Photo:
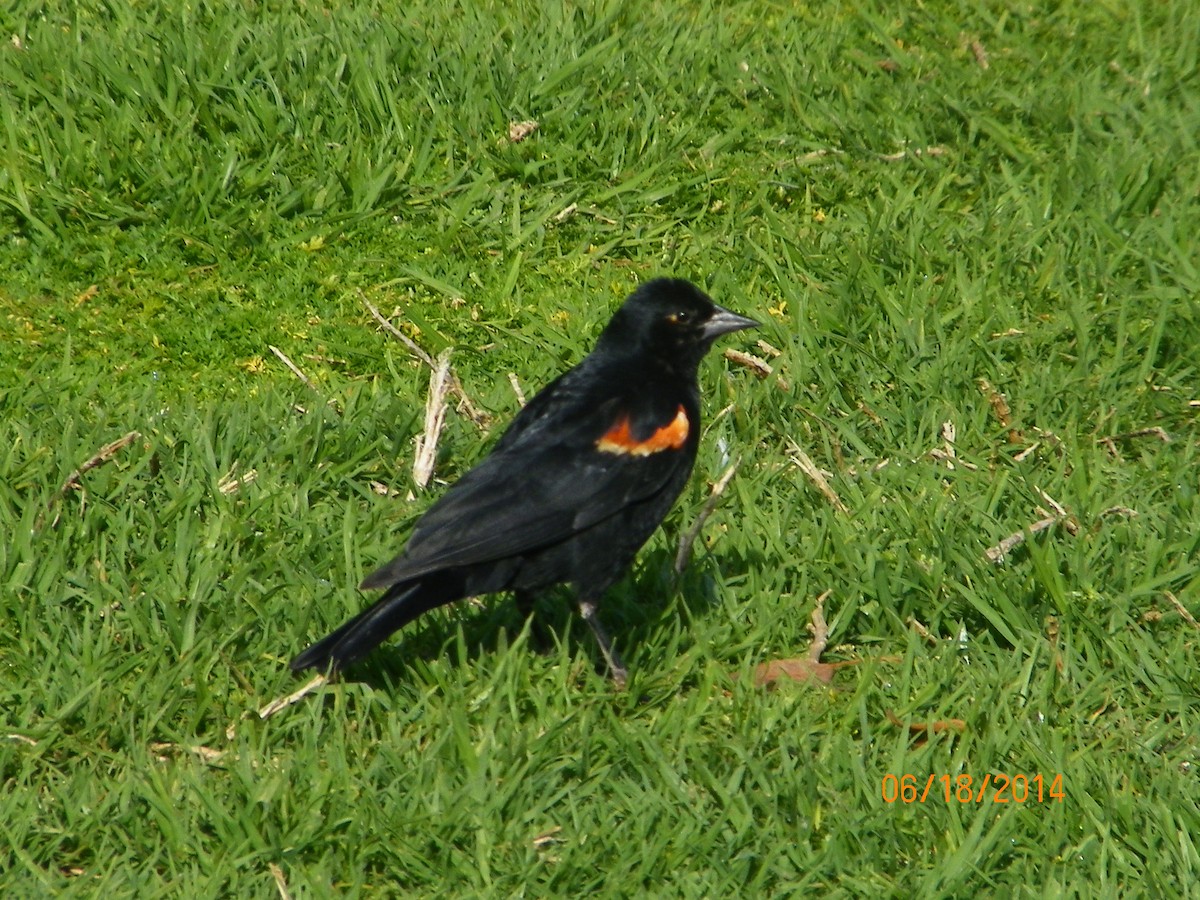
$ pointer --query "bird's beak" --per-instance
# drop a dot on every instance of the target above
(723, 321)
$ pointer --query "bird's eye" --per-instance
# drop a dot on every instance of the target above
(679, 318)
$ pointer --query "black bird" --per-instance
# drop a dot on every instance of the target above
(579, 481)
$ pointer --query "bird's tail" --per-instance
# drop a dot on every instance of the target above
(352, 641)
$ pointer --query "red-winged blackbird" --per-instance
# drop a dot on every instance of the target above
(579, 481)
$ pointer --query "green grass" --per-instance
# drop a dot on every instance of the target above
(182, 188)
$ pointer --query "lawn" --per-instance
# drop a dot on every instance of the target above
(970, 232)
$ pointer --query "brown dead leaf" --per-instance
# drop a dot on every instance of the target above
(800, 670)
(809, 668)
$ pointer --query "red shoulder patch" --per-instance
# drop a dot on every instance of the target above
(620, 439)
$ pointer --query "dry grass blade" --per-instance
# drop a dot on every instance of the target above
(915, 152)
(1027, 452)
(816, 476)
(920, 629)
(101, 456)
(759, 367)
(1181, 609)
(87, 294)
(472, 412)
(1062, 516)
(1051, 502)
(946, 453)
(1052, 632)
(208, 754)
(771, 351)
(414, 348)
(925, 728)
(820, 628)
(996, 553)
(980, 53)
(685, 543)
(231, 482)
(294, 368)
(291, 699)
(435, 418)
(1153, 431)
(813, 156)
(280, 881)
(1000, 407)
(547, 837)
(1000, 410)
(869, 413)
(516, 386)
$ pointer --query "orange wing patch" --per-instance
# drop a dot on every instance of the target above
(620, 439)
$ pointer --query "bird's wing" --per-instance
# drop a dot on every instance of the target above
(561, 473)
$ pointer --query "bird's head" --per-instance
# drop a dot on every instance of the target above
(673, 320)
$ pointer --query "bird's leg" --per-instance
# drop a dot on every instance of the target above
(539, 637)
(587, 609)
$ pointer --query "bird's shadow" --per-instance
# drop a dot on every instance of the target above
(632, 611)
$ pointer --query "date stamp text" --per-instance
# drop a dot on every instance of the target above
(993, 787)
